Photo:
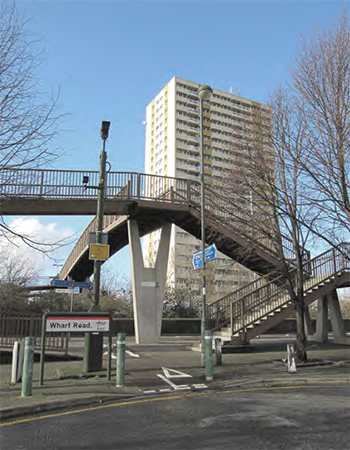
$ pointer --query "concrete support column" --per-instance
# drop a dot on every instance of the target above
(322, 320)
(148, 285)
(337, 319)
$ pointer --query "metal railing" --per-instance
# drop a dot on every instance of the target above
(263, 296)
(18, 327)
(238, 219)
(54, 184)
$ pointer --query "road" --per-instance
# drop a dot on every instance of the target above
(303, 418)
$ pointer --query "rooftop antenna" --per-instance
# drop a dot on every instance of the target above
(239, 92)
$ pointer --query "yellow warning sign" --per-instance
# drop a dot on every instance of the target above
(99, 252)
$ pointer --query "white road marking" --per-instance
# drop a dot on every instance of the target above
(200, 386)
(177, 373)
(173, 385)
(150, 392)
(166, 380)
(130, 353)
(112, 355)
(262, 419)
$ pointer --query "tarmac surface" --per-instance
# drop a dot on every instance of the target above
(278, 418)
(168, 367)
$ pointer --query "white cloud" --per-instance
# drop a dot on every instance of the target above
(49, 234)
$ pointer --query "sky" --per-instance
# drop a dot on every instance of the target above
(108, 59)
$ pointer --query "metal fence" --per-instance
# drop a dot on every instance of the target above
(58, 184)
(16, 328)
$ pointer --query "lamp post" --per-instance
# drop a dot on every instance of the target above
(99, 214)
(205, 92)
(94, 342)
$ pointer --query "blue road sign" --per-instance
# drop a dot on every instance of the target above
(61, 283)
(69, 283)
(83, 284)
(210, 254)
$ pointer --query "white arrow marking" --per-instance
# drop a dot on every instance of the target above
(112, 355)
(177, 373)
(130, 353)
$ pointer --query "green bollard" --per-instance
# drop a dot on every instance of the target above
(209, 356)
(27, 377)
(120, 374)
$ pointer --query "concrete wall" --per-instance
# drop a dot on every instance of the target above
(192, 326)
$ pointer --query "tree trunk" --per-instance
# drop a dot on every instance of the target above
(301, 355)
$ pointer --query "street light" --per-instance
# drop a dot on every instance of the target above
(205, 92)
(105, 129)
(94, 342)
(99, 213)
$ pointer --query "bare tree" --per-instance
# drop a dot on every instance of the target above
(294, 211)
(181, 296)
(264, 194)
(17, 269)
(321, 81)
(116, 294)
(301, 189)
(28, 121)
(16, 272)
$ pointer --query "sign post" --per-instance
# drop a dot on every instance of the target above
(42, 353)
(62, 322)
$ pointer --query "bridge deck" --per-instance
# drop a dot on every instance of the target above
(151, 200)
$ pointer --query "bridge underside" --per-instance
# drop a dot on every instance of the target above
(149, 219)
(19, 206)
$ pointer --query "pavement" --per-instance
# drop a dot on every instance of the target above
(168, 367)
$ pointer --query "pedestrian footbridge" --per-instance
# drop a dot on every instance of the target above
(137, 204)
(150, 200)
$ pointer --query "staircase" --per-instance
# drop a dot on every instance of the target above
(257, 307)
(232, 229)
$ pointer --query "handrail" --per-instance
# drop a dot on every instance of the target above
(53, 184)
(241, 310)
(241, 219)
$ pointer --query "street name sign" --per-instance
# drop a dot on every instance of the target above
(210, 254)
(82, 322)
(70, 323)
